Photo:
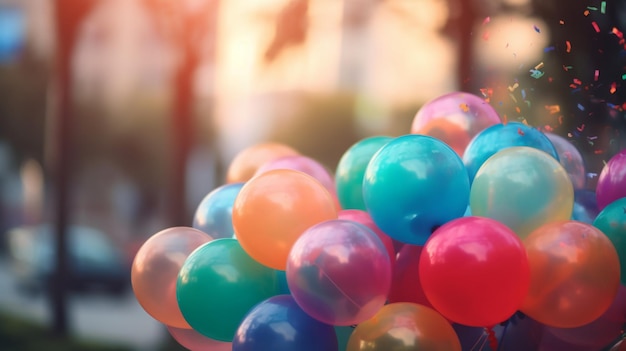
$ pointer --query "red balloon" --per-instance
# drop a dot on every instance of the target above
(405, 284)
(475, 271)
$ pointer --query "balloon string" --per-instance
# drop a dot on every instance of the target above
(478, 341)
(493, 340)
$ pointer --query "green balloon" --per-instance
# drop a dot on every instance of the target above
(343, 335)
(612, 222)
(218, 284)
(351, 169)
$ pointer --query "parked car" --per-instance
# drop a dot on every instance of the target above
(94, 263)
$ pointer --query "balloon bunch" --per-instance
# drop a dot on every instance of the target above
(463, 234)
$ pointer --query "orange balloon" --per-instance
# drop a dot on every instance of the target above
(245, 164)
(404, 326)
(155, 270)
(273, 209)
(574, 272)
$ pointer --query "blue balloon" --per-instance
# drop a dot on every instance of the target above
(413, 185)
(214, 214)
(585, 206)
(501, 136)
(279, 324)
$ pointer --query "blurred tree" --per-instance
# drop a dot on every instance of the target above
(191, 27)
(69, 15)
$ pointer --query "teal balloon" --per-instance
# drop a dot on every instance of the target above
(214, 214)
(281, 281)
(523, 188)
(218, 285)
(343, 335)
(413, 185)
(501, 136)
(351, 169)
(612, 222)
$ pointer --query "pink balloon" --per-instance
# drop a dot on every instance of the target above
(155, 270)
(454, 118)
(365, 219)
(303, 164)
(194, 341)
(612, 181)
(405, 284)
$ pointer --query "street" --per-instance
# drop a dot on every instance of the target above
(118, 320)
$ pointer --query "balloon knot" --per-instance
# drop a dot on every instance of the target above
(493, 340)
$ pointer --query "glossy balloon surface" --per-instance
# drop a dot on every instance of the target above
(214, 214)
(475, 271)
(414, 184)
(279, 324)
(247, 161)
(612, 180)
(155, 270)
(274, 209)
(502, 136)
(575, 274)
(454, 118)
(523, 188)
(339, 272)
(351, 170)
(218, 284)
(404, 327)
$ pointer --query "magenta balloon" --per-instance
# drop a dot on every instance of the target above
(570, 159)
(194, 341)
(303, 164)
(155, 271)
(454, 118)
(612, 181)
(339, 272)
(364, 218)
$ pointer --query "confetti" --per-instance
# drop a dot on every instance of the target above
(596, 75)
(539, 65)
(577, 81)
(624, 76)
(464, 107)
(568, 46)
(537, 29)
(520, 131)
(582, 127)
(513, 87)
(613, 88)
(486, 20)
(586, 13)
(536, 73)
(548, 49)
(582, 108)
(553, 109)
(592, 8)
(603, 7)
(561, 22)
(595, 26)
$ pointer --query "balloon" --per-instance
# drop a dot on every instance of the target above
(247, 162)
(600, 332)
(404, 326)
(474, 271)
(155, 270)
(454, 118)
(279, 324)
(365, 219)
(194, 341)
(414, 184)
(612, 222)
(214, 213)
(570, 159)
(339, 272)
(523, 188)
(574, 274)
(302, 164)
(274, 208)
(612, 181)
(218, 284)
(283, 286)
(405, 285)
(351, 170)
(502, 136)
(585, 206)
(343, 335)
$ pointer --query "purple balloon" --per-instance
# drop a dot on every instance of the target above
(194, 341)
(339, 272)
(570, 159)
(612, 181)
(364, 218)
